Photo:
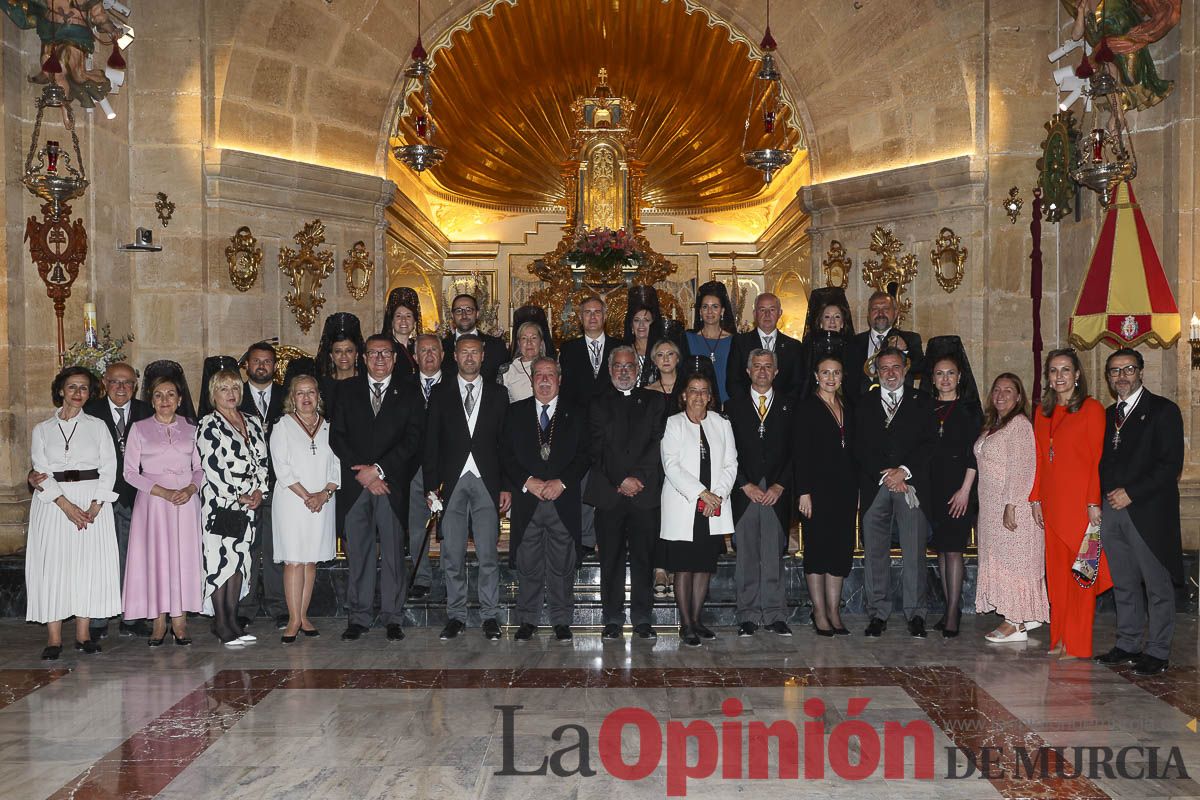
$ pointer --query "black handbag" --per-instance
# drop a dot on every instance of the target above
(230, 523)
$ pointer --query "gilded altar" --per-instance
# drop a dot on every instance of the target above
(602, 180)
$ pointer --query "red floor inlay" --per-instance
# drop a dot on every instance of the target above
(17, 683)
(150, 759)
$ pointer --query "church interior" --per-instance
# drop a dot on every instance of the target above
(207, 174)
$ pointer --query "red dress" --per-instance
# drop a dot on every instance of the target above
(1066, 485)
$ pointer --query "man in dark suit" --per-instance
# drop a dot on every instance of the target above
(119, 409)
(428, 353)
(1139, 476)
(766, 336)
(376, 433)
(894, 437)
(462, 468)
(263, 399)
(464, 312)
(625, 487)
(545, 458)
(864, 347)
(761, 418)
(584, 378)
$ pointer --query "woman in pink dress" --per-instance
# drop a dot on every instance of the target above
(1012, 558)
(163, 569)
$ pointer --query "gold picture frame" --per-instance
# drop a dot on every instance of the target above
(358, 268)
(837, 266)
(949, 259)
(890, 268)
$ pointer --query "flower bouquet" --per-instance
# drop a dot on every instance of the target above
(97, 357)
(604, 248)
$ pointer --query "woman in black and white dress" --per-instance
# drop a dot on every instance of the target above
(71, 561)
(233, 449)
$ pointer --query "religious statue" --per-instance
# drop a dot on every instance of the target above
(69, 31)
(1125, 28)
(602, 250)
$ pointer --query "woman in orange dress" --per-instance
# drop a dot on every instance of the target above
(1069, 429)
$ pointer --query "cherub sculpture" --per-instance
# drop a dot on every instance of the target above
(1118, 31)
(69, 31)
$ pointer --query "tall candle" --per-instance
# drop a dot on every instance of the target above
(89, 325)
(1195, 327)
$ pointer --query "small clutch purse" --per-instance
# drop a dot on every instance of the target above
(701, 505)
(230, 523)
(1087, 563)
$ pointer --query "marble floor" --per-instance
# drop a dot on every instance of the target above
(768, 716)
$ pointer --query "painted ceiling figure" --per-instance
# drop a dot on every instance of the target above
(1127, 27)
(69, 31)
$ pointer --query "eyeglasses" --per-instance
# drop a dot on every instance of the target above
(380, 354)
(462, 311)
(1129, 370)
(122, 382)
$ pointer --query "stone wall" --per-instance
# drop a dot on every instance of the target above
(919, 114)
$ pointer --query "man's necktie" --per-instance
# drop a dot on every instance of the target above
(1121, 411)
(545, 418)
(596, 354)
(376, 397)
(769, 343)
(121, 424)
(428, 388)
(470, 401)
(892, 403)
(876, 342)
(762, 407)
(262, 403)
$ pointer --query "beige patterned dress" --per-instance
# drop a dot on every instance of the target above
(1012, 564)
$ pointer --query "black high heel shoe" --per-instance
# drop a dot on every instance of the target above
(182, 641)
(52, 652)
(819, 631)
(287, 639)
(950, 634)
(152, 642)
(310, 631)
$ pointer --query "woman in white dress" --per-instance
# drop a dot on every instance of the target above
(307, 474)
(72, 568)
(700, 466)
(233, 450)
(515, 375)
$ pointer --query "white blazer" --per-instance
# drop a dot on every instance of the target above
(681, 467)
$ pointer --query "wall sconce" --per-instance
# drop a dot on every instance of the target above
(1013, 203)
(1194, 341)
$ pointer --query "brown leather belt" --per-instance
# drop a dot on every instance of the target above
(76, 475)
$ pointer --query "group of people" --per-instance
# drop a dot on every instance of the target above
(649, 449)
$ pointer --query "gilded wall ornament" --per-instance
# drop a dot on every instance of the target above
(1054, 167)
(837, 266)
(1012, 204)
(164, 208)
(244, 257)
(58, 245)
(889, 270)
(358, 270)
(306, 268)
(949, 259)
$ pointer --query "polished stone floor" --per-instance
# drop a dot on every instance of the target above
(420, 719)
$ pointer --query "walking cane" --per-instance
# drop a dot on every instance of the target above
(431, 529)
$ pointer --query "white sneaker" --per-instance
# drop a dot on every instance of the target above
(247, 638)
(1016, 636)
(1032, 625)
(235, 644)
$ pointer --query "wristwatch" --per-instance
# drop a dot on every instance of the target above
(330, 492)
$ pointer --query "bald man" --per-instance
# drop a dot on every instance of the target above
(766, 336)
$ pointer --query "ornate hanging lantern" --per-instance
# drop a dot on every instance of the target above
(768, 160)
(423, 154)
(57, 244)
(1105, 156)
